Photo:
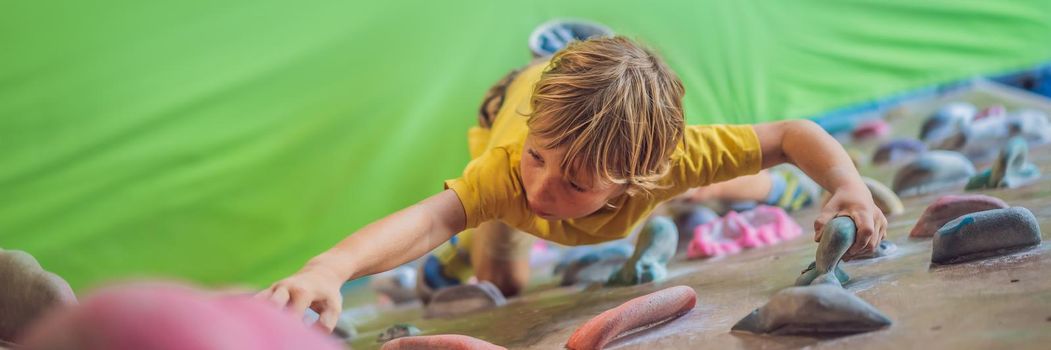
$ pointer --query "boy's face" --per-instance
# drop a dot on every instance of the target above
(553, 195)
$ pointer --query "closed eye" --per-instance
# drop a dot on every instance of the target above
(576, 187)
(536, 157)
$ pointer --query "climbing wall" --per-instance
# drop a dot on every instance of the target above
(1001, 302)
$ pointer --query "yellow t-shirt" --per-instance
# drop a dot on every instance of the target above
(491, 186)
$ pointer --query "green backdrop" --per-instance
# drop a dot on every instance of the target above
(229, 141)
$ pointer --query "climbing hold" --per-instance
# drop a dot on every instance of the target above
(836, 237)
(947, 120)
(949, 207)
(898, 150)
(400, 330)
(869, 129)
(344, 330)
(981, 140)
(398, 284)
(168, 316)
(885, 199)
(596, 273)
(440, 342)
(1011, 169)
(985, 233)
(27, 291)
(765, 225)
(810, 274)
(464, 299)
(813, 310)
(592, 264)
(884, 248)
(931, 172)
(656, 245)
(644, 311)
(994, 111)
(1031, 124)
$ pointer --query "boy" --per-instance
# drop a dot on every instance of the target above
(580, 150)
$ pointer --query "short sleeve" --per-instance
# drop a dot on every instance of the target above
(714, 153)
(487, 188)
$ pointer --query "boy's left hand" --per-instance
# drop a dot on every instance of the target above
(858, 205)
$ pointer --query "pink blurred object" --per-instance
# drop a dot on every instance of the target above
(994, 111)
(541, 254)
(163, 316)
(871, 129)
(765, 225)
(440, 342)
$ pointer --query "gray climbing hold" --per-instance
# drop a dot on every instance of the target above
(1011, 169)
(655, 246)
(464, 299)
(592, 264)
(344, 330)
(596, 273)
(932, 172)
(813, 310)
(1031, 124)
(984, 234)
(898, 150)
(810, 273)
(27, 291)
(398, 331)
(836, 237)
(883, 249)
(947, 120)
(981, 140)
(398, 284)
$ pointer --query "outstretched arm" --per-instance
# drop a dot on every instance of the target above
(807, 146)
(377, 247)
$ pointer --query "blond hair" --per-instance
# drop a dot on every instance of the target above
(615, 106)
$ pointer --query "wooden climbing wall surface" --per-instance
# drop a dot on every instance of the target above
(1002, 302)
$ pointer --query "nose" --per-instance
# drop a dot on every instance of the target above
(543, 195)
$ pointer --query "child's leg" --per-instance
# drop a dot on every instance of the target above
(491, 252)
(447, 265)
(745, 188)
(782, 186)
(500, 255)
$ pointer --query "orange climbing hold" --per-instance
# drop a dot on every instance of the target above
(440, 342)
(644, 311)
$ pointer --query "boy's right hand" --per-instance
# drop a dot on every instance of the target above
(315, 287)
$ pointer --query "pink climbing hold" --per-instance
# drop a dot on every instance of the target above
(168, 316)
(994, 111)
(765, 225)
(871, 129)
(440, 342)
(948, 208)
(647, 310)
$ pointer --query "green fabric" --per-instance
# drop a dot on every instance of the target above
(229, 141)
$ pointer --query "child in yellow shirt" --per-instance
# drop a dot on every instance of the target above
(580, 150)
